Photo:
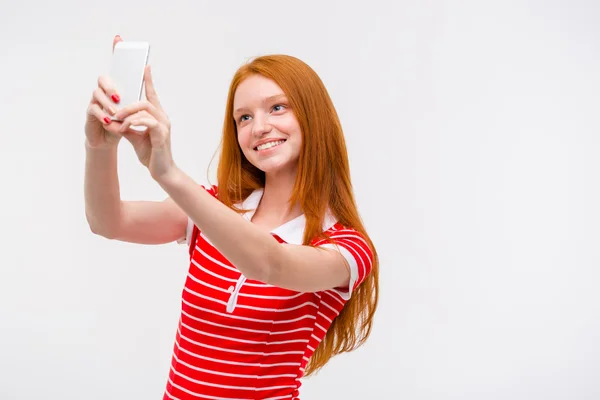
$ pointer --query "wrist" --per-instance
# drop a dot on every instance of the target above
(110, 146)
(169, 178)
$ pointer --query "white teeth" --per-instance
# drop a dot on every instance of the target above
(269, 145)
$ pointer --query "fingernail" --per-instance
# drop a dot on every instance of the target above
(112, 110)
(106, 120)
(115, 98)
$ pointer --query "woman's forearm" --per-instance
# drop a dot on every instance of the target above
(253, 251)
(101, 187)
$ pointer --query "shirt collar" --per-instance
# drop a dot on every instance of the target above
(292, 231)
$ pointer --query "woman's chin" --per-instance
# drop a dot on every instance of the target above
(273, 167)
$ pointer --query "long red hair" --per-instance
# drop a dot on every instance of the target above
(323, 180)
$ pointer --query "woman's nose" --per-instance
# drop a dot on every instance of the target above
(260, 126)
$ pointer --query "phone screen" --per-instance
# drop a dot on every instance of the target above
(127, 71)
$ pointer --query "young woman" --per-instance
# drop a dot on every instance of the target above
(282, 274)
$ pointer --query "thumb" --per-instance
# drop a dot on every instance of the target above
(133, 138)
(150, 90)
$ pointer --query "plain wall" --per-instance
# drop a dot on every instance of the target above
(473, 136)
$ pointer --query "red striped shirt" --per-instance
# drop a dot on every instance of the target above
(244, 339)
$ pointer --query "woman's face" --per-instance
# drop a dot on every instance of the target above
(267, 129)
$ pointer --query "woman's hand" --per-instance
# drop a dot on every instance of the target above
(147, 127)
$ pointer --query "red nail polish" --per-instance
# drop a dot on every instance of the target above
(106, 120)
(116, 98)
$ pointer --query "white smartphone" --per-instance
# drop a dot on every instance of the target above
(127, 71)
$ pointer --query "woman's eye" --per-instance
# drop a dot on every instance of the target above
(278, 107)
(244, 118)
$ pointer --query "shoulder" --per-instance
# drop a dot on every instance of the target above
(337, 232)
(355, 248)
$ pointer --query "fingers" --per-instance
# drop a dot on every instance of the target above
(106, 84)
(139, 119)
(150, 90)
(99, 97)
(96, 111)
(131, 109)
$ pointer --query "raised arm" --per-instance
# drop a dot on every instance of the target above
(145, 222)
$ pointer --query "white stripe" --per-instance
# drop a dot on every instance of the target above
(230, 387)
(324, 316)
(340, 293)
(242, 340)
(260, 285)
(316, 338)
(320, 327)
(254, 353)
(260, 365)
(267, 321)
(328, 306)
(256, 296)
(202, 396)
(329, 293)
(226, 267)
(311, 348)
(244, 329)
(208, 371)
(197, 264)
(289, 396)
(344, 233)
(169, 395)
(348, 234)
(250, 307)
(200, 281)
(204, 297)
(215, 261)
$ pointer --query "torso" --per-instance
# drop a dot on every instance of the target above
(244, 339)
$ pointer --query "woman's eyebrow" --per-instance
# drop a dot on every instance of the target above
(266, 100)
(274, 97)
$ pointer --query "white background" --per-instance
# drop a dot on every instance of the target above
(472, 132)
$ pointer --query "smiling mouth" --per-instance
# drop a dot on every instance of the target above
(269, 145)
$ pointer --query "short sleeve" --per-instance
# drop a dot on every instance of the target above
(189, 231)
(355, 249)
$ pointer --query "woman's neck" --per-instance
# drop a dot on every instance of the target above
(276, 196)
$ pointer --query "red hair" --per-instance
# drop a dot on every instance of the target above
(323, 180)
